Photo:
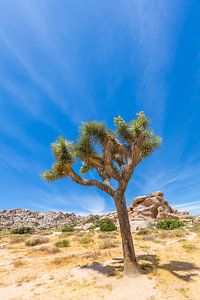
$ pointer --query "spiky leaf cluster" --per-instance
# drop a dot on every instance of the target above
(58, 171)
(96, 131)
(138, 133)
(84, 149)
(63, 150)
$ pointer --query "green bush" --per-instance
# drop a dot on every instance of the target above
(22, 230)
(68, 228)
(62, 244)
(85, 240)
(170, 224)
(107, 224)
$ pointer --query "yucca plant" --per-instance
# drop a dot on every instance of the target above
(114, 155)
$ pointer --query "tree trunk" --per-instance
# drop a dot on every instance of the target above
(130, 263)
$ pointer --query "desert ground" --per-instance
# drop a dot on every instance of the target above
(89, 266)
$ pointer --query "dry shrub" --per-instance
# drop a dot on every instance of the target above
(91, 255)
(64, 260)
(36, 240)
(47, 249)
(53, 250)
(106, 244)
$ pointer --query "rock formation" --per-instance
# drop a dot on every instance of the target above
(143, 212)
(152, 207)
(22, 217)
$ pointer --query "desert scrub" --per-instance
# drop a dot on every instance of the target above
(22, 230)
(107, 224)
(68, 228)
(170, 224)
(85, 240)
(36, 240)
(107, 244)
(62, 244)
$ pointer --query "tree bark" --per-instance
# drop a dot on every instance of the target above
(130, 262)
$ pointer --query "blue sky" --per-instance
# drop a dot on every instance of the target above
(65, 62)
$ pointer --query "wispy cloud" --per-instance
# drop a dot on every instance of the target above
(82, 204)
(66, 82)
(192, 207)
(155, 28)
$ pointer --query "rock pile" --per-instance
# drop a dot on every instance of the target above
(152, 207)
(42, 220)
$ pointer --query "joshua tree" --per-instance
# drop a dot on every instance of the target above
(114, 155)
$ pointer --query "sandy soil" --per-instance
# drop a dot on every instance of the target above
(169, 263)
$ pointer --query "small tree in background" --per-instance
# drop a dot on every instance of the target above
(114, 155)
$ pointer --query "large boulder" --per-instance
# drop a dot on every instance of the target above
(151, 207)
(138, 225)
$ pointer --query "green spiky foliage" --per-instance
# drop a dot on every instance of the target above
(138, 132)
(63, 150)
(119, 145)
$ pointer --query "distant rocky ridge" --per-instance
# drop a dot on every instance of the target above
(23, 217)
(144, 210)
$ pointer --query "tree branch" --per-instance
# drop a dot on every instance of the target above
(108, 164)
(118, 158)
(119, 147)
(78, 179)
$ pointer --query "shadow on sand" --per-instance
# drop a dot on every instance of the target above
(148, 263)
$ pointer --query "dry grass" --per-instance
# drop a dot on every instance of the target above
(107, 244)
(189, 246)
(26, 278)
(19, 263)
(173, 264)
(14, 239)
(108, 235)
